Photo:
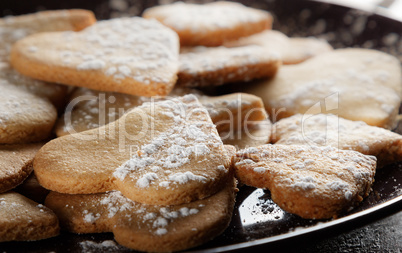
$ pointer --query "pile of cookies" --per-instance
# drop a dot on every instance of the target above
(104, 123)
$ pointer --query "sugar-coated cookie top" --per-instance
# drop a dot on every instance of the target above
(151, 45)
(13, 28)
(203, 18)
(331, 130)
(189, 140)
(361, 84)
(16, 102)
(133, 48)
(316, 170)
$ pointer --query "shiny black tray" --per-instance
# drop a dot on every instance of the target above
(257, 221)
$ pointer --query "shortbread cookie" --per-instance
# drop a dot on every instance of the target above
(129, 55)
(312, 182)
(330, 130)
(251, 135)
(233, 111)
(291, 50)
(16, 164)
(210, 24)
(145, 227)
(167, 152)
(13, 28)
(356, 84)
(203, 66)
(55, 93)
(24, 117)
(89, 109)
(31, 189)
(22, 219)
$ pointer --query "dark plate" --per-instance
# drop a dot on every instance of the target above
(257, 220)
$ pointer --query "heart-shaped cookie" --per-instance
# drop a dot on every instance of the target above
(356, 84)
(13, 28)
(166, 152)
(331, 130)
(128, 55)
(312, 182)
(210, 24)
(146, 227)
(26, 114)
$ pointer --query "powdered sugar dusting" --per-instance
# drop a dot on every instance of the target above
(334, 131)
(105, 246)
(184, 16)
(190, 137)
(310, 170)
(123, 48)
(155, 219)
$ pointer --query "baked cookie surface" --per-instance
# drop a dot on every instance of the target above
(24, 117)
(22, 219)
(26, 114)
(253, 134)
(16, 164)
(357, 84)
(331, 130)
(312, 182)
(211, 66)
(13, 28)
(122, 55)
(290, 50)
(167, 152)
(89, 109)
(55, 93)
(146, 227)
(210, 24)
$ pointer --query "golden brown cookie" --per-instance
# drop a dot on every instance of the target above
(232, 112)
(312, 182)
(24, 117)
(331, 130)
(356, 84)
(55, 93)
(22, 219)
(291, 50)
(46, 21)
(203, 66)
(146, 227)
(253, 134)
(210, 24)
(13, 28)
(89, 109)
(122, 55)
(167, 152)
(16, 164)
